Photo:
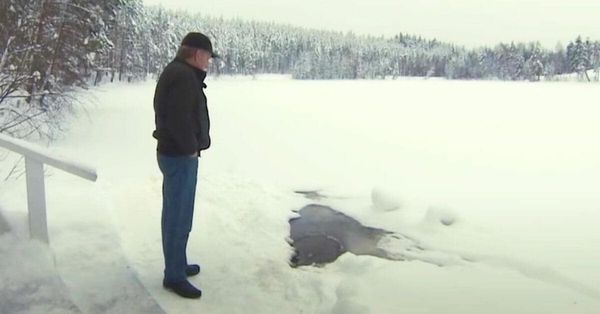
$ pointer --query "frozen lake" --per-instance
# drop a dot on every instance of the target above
(514, 166)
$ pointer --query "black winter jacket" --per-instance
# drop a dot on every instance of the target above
(181, 114)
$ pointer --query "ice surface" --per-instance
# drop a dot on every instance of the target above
(514, 165)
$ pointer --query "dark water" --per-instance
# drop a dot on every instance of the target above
(321, 234)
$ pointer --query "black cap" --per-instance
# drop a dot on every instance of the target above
(200, 41)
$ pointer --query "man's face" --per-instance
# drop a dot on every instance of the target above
(202, 59)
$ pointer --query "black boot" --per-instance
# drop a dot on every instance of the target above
(192, 270)
(184, 289)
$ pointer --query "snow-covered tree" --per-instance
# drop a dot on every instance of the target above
(577, 54)
(533, 68)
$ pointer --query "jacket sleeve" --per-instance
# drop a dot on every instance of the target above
(180, 114)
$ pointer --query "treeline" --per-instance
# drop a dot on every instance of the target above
(147, 38)
(526, 61)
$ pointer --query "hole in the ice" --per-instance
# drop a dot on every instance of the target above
(321, 234)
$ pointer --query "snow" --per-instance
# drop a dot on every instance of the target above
(29, 282)
(384, 201)
(441, 215)
(513, 166)
(593, 75)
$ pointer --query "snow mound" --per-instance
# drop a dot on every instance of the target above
(384, 200)
(441, 215)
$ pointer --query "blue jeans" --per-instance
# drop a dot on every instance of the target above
(179, 192)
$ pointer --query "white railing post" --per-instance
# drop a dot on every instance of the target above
(35, 159)
(36, 200)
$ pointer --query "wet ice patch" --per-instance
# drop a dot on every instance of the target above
(314, 195)
(402, 248)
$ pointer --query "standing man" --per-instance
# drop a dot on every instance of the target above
(182, 131)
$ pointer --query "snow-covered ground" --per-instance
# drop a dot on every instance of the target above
(593, 75)
(514, 166)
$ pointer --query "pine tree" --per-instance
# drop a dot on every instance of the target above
(533, 68)
(578, 57)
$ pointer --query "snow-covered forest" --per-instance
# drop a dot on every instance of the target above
(51, 48)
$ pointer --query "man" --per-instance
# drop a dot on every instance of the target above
(182, 131)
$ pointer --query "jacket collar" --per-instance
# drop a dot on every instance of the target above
(200, 74)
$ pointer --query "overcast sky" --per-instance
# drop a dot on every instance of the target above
(466, 22)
